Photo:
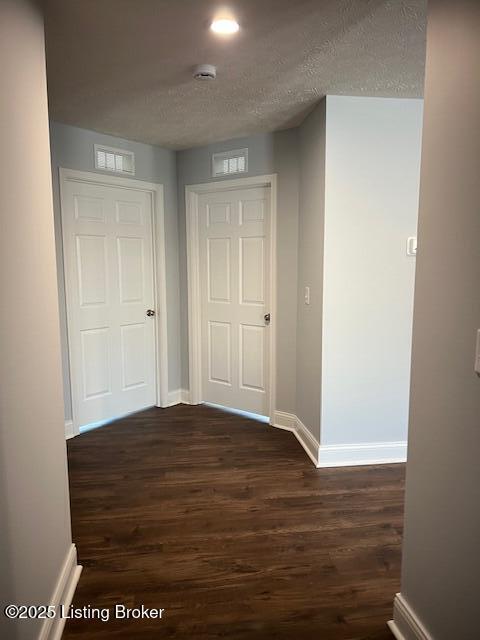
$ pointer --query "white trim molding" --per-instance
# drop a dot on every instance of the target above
(179, 396)
(405, 624)
(290, 422)
(343, 455)
(68, 577)
(156, 193)
(69, 430)
(283, 420)
(192, 193)
(308, 441)
(348, 455)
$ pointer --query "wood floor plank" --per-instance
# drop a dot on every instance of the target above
(225, 524)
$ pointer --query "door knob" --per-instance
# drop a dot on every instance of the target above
(150, 312)
(266, 317)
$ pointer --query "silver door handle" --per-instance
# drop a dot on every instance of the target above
(266, 317)
(150, 312)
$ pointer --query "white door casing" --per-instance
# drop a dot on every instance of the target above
(110, 280)
(231, 272)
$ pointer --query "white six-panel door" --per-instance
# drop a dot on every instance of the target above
(108, 255)
(234, 291)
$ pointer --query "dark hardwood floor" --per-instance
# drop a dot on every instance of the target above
(225, 524)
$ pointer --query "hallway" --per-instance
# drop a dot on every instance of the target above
(225, 524)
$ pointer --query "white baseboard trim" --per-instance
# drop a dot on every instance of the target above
(290, 422)
(69, 432)
(52, 629)
(347, 455)
(185, 396)
(179, 396)
(406, 624)
(308, 441)
(283, 420)
(174, 397)
(343, 455)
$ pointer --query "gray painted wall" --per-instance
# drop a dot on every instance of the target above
(367, 150)
(310, 269)
(441, 562)
(72, 148)
(358, 203)
(373, 154)
(268, 153)
(34, 503)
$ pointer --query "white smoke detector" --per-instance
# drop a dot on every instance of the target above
(205, 72)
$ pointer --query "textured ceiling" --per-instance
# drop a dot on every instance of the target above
(124, 67)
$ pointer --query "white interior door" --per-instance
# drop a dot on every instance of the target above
(234, 290)
(108, 254)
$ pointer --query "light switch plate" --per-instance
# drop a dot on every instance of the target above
(412, 246)
(477, 354)
(307, 295)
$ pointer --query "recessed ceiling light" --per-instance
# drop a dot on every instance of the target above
(225, 26)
